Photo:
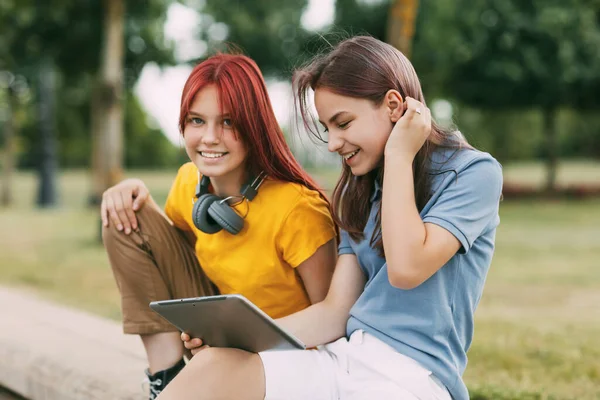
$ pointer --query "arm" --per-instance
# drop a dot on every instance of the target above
(417, 248)
(326, 321)
(323, 322)
(316, 272)
(414, 250)
(306, 241)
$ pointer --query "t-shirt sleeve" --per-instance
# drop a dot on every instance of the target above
(307, 227)
(468, 205)
(344, 247)
(179, 193)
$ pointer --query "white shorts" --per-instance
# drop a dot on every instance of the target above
(359, 368)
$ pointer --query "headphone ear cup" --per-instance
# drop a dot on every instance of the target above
(226, 217)
(200, 216)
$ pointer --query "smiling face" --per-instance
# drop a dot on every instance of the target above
(357, 128)
(212, 143)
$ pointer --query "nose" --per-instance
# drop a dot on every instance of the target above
(212, 134)
(334, 143)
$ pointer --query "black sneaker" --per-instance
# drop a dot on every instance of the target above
(159, 381)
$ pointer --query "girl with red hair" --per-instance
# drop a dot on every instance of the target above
(241, 217)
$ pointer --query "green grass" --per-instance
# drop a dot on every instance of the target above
(537, 332)
(538, 324)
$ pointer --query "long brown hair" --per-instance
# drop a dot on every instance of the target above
(242, 90)
(364, 67)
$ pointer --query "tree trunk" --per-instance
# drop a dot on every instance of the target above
(551, 135)
(96, 119)
(107, 107)
(401, 24)
(47, 195)
(6, 198)
(498, 124)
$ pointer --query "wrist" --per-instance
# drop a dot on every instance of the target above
(398, 158)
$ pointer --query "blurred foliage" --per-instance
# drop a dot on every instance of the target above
(513, 135)
(272, 35)
(151, 150)
(69, 33)
(514, 53)
(499, 62)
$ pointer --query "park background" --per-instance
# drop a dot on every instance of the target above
(89, 94)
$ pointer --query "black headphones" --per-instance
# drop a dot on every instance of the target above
(211, 213)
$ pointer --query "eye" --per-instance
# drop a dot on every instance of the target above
(196, 120)
(343, 125)
(227, 122)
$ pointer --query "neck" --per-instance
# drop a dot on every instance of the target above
(229, 185)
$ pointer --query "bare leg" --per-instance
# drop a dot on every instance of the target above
(163, 350)
(219, 374)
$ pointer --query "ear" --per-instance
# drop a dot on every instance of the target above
(394, 103)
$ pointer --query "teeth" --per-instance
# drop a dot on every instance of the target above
(212, 155)
(348, 156)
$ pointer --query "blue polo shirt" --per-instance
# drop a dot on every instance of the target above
(433, 323)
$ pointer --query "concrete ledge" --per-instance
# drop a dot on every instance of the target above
(48, 352)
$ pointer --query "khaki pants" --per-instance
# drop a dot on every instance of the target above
(155, 262)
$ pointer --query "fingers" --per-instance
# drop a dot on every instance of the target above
(120, 208)
(120, 202)
(141, 195)
(130, 220)
(112, 212)
(193, 343)
(104, 213)
(114, 208)
(412, 105)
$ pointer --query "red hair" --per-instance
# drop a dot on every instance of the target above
(242, 90)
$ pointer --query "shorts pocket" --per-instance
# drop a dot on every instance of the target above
(339, 352)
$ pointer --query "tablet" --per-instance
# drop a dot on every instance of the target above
(227, 321)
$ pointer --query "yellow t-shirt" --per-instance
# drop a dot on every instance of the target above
(285, 224)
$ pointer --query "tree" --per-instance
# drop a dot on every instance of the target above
(20, 59)
(107, 111)
(526, 55)
(8, 165)
(401, 24)
(354, 17)
(71, 34)
(272, 35)
(47, 194)
(498, 55)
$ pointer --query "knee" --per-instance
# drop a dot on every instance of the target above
(117, 242)
(214, 360)
(223, 362)
(210, 356)
(146, 217)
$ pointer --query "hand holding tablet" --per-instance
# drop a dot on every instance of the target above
(227, 321)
